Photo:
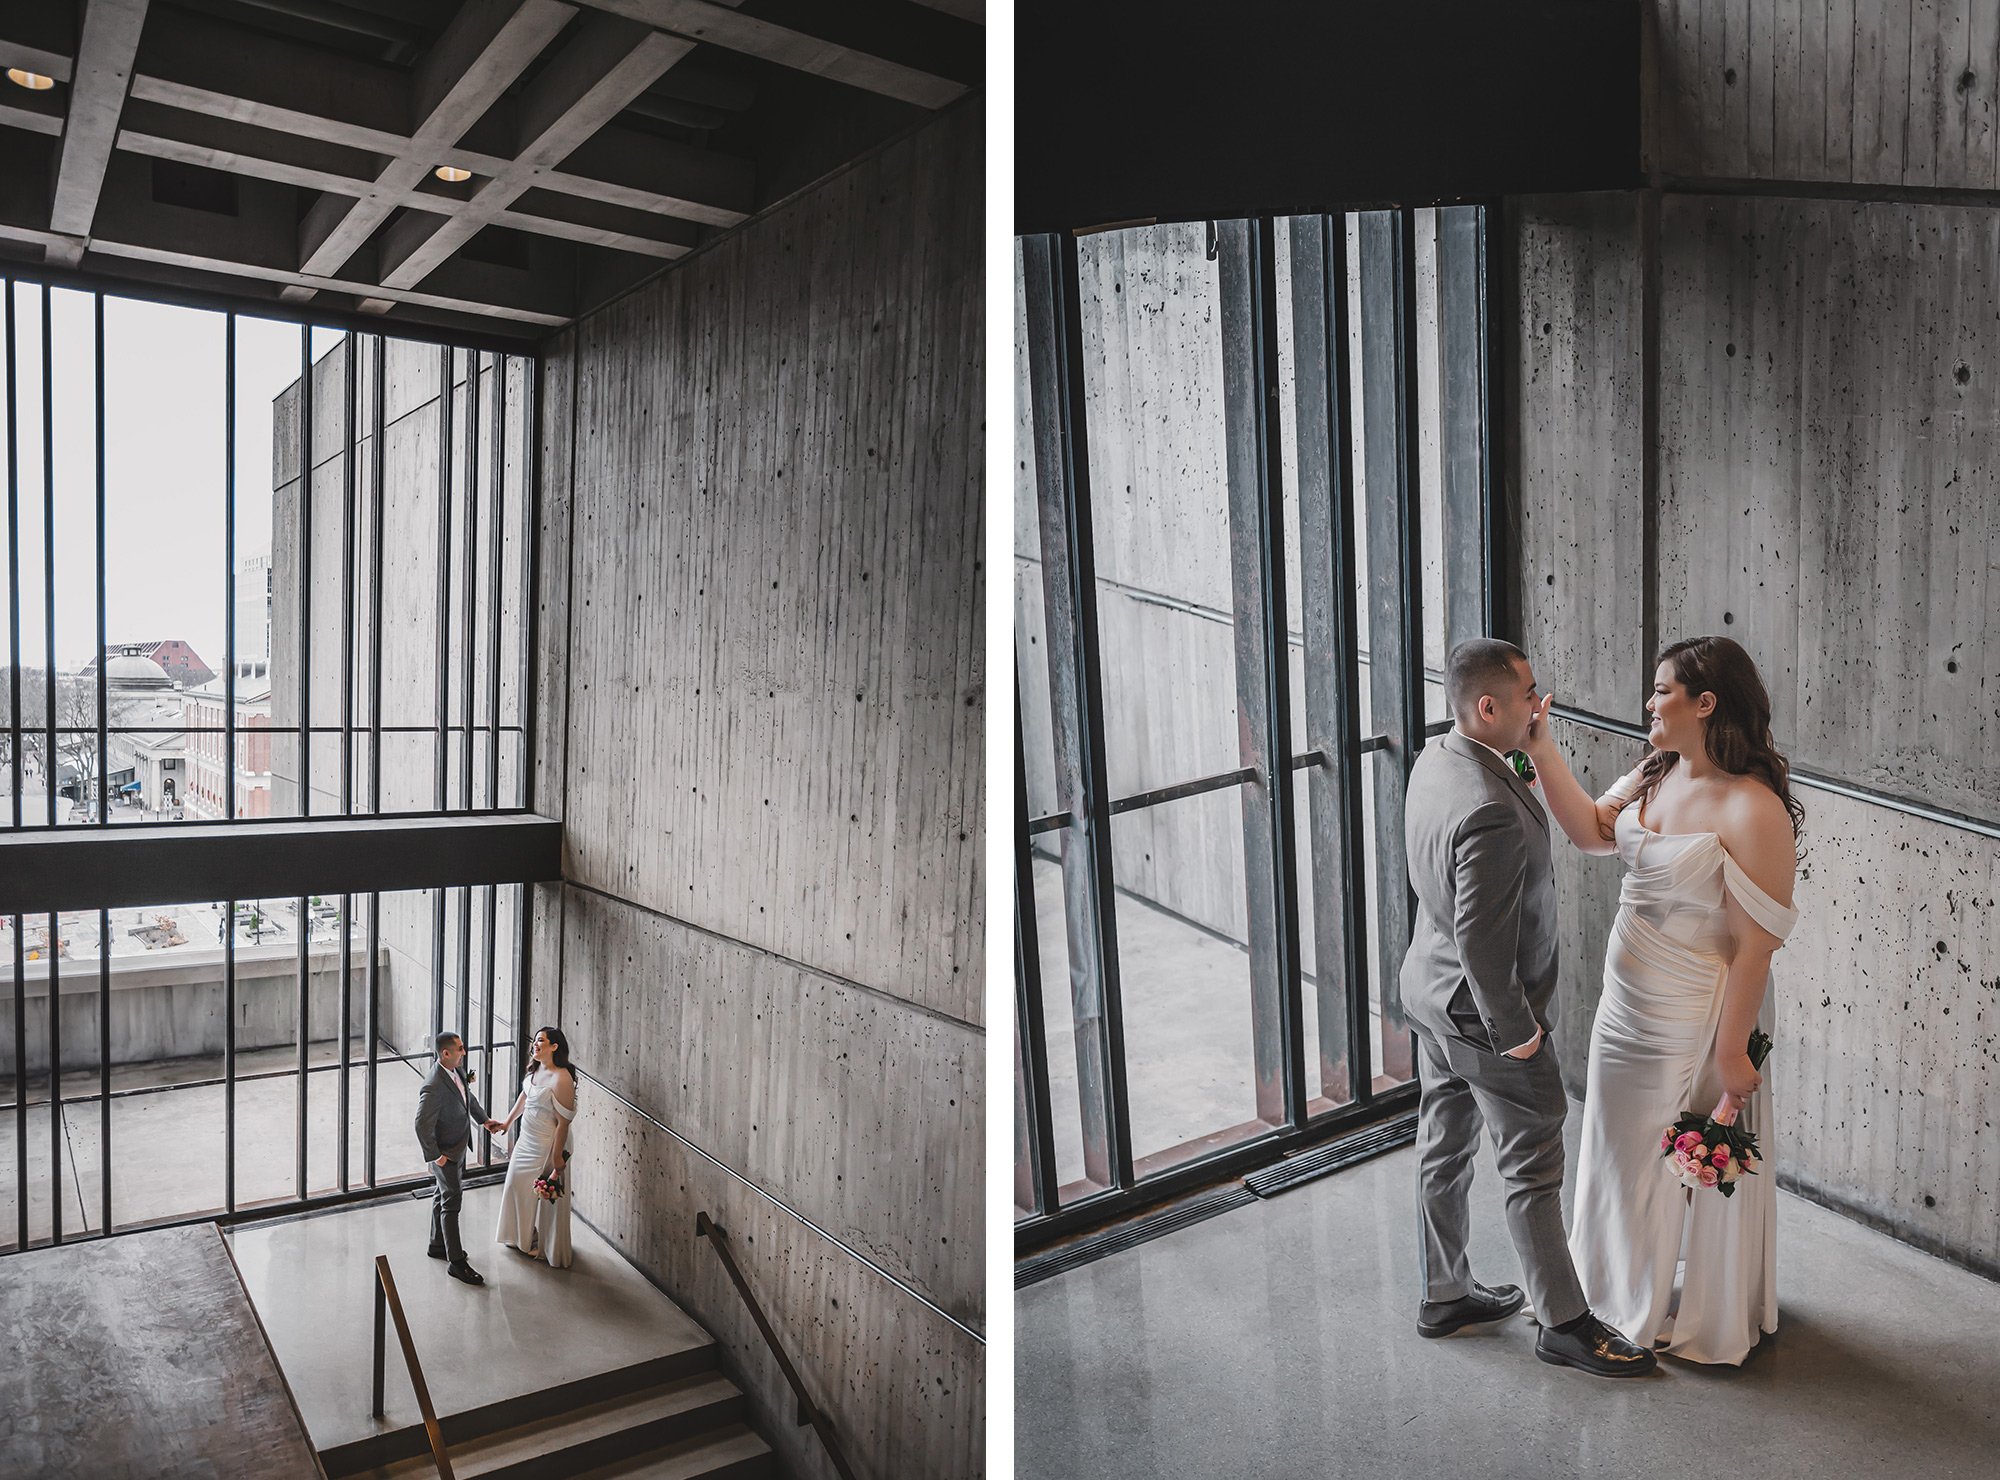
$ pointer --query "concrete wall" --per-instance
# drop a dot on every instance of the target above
(1877, 92)
(1822, 485)
(762, 662)
(176, 1007)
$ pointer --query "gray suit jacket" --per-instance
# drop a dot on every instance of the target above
(444, 1126)
(1481, 967)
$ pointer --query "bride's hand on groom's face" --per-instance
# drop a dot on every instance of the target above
(1538, 726)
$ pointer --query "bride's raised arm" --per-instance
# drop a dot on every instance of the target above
(1587, 823)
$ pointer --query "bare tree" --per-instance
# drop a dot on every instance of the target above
(76, 727)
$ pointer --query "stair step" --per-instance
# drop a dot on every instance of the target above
(732, 1453)
(379, 1453)
(685, 1410)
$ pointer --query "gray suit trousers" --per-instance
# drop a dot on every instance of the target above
(1521, 1102)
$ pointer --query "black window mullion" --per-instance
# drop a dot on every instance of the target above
(469, 635)
(1462, 417)
(1037, 1119)
(304, 612)
(103, 778)
(496, 500)
(56, 1157)
(1062, 476)
(229, 1053)
(442, 755)
(1326, 572)
(51, 759)
(1397, 1052)
(1246, 270)
(372, 1014)
(13, 567)
(344, 997)
(227, 807)
(104, 1071)
(20, 1069)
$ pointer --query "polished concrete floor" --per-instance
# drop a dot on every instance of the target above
(137, 1358)
(1279, 1340)
(1190, 1058)
(527, 1328)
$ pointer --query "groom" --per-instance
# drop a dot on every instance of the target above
(1479, 986)
(446, 1109)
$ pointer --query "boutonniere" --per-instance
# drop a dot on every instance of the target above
(1523, 767)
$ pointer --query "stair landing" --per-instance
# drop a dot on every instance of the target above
(594, 1330)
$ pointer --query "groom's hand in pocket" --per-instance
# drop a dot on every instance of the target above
(1529, 1049)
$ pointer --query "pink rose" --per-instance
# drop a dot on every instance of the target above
(1681, 1162)
(1721, 1157)
(1688, 1140)
(1667, 1140)
(1708, 1177)
(1698, 1151)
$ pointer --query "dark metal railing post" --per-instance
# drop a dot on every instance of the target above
(385, 1287)
(381, 1315)
(810, 1412)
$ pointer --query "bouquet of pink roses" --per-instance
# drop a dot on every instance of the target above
(1703, 1152)
(549, 1186)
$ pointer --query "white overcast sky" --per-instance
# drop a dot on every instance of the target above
(164, 465)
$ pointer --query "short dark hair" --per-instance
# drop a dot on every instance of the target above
(446, 1040)
(1477, 666)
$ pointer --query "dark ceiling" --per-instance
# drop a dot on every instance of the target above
(283, 152)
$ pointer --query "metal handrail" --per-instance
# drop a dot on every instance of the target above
(809, 1411)
(385, 1295)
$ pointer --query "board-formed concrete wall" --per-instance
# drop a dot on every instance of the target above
(763, 726)
(1823, 485)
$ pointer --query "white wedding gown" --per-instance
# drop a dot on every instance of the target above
(1651, 1058)
(527, 1222)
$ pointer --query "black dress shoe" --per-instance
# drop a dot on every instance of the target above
(1591, 1346)
(463, 1270)
(1442, 1317)
(436, 1251)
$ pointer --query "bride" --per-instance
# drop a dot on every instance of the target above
(545, 1107)
(1708, 831)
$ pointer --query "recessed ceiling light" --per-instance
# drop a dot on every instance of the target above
(451, 174)
(32, 81)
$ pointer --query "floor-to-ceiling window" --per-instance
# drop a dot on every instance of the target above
(1253, 489)
(267, 588)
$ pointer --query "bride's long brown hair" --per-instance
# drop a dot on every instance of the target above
(1737, 732)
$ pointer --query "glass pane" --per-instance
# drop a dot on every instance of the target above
(1357, 451)
(1024, 1176)
(165, 556)
(37, 799)
(1152, 352)
(1184, 970)
(1429, 460)
(1389, 1052)
(269, 452)
(1058, 1013)
(413, 581)
(74, 375)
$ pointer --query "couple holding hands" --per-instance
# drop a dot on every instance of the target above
(534, 1204)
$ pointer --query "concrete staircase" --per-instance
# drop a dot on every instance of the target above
(672, 1418)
